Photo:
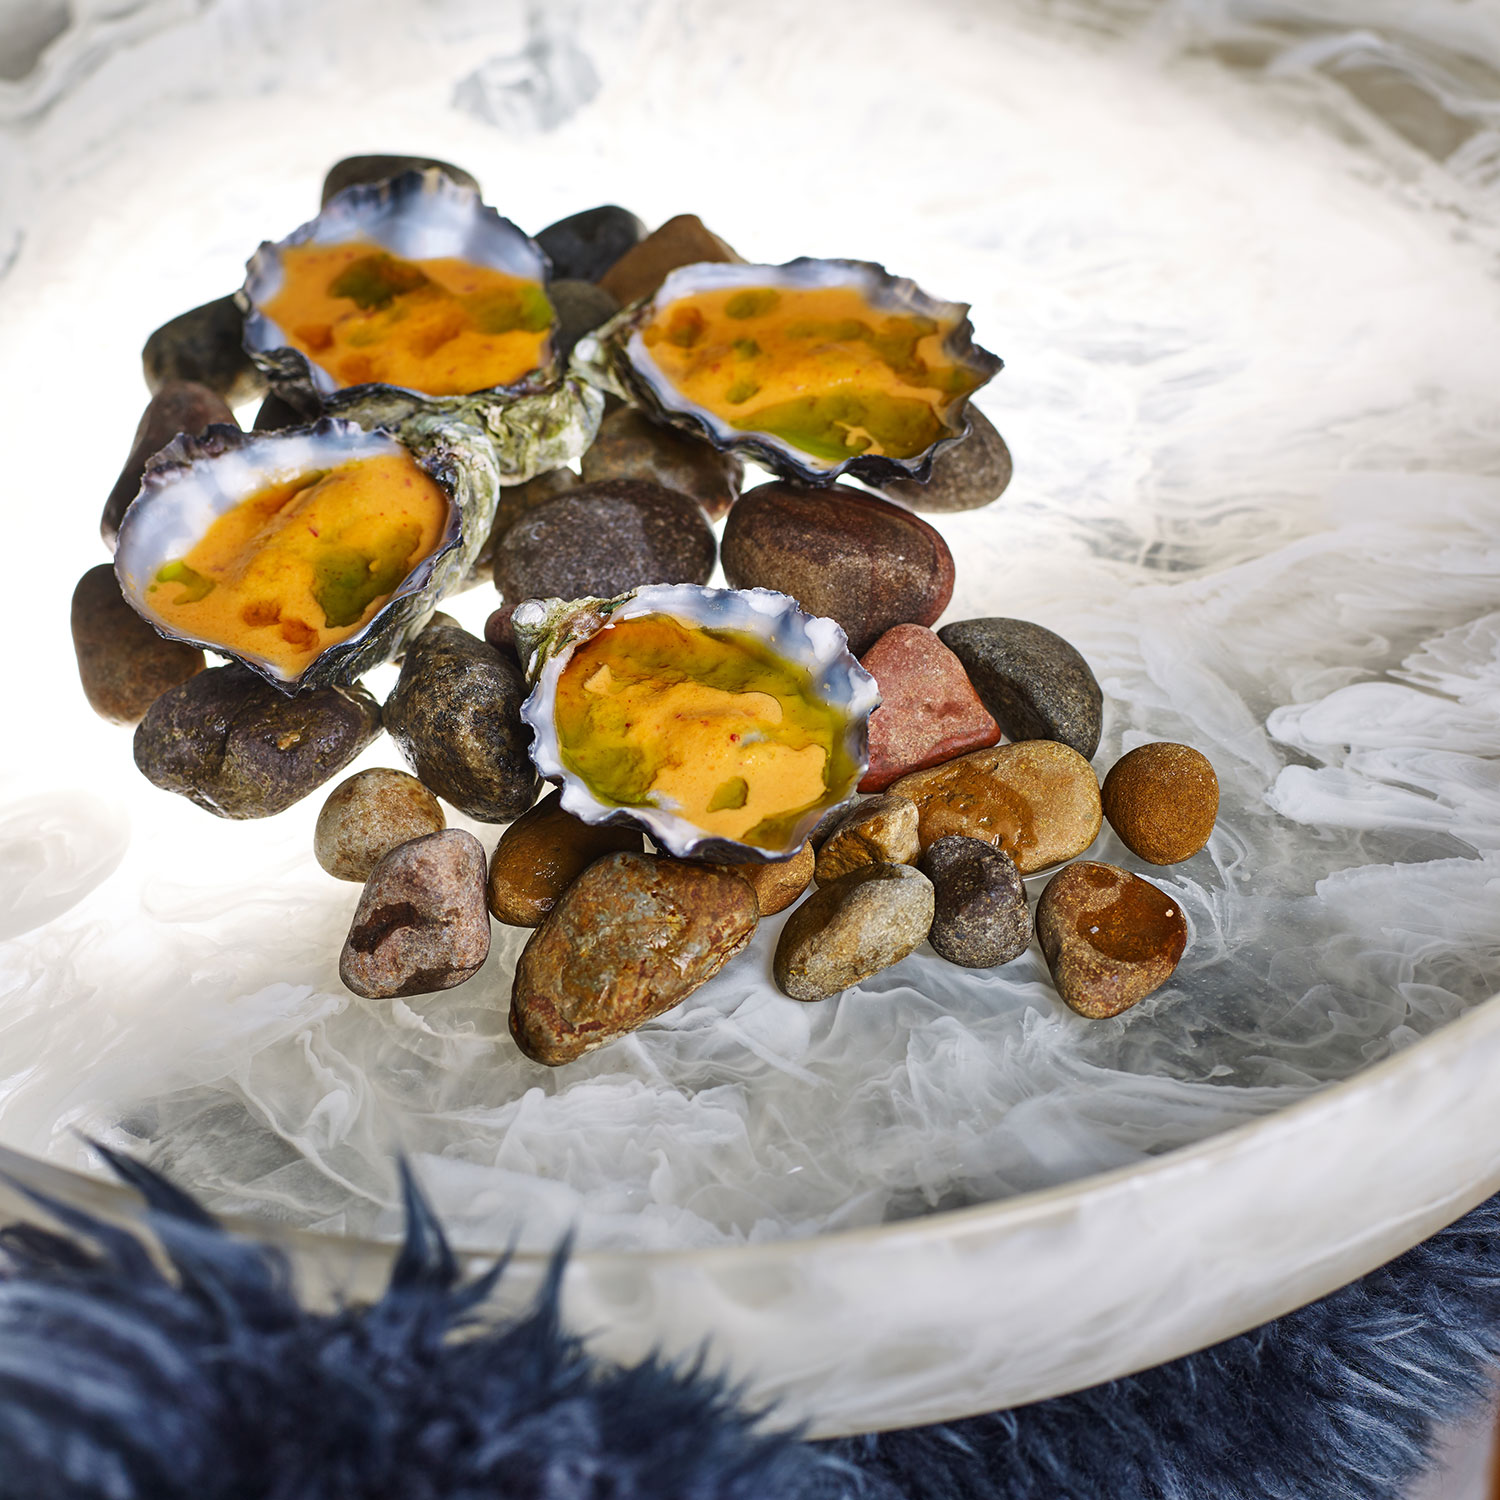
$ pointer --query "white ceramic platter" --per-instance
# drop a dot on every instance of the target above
(1244, 283)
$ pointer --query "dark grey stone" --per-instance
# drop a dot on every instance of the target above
(584, 246)
(205, 345)
(971, 473)
(581, 308)
(981, 917)
(1035, 684)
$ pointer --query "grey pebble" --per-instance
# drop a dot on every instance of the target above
(585, 245)
(581, 307)
(1036, 685)
(206, 345)
(973, 472)
(631, 446)
(981, 917)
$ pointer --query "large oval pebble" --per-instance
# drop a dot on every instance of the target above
(631, 446)
(455, 715)
(839, 552)
(1038, 801)
(585, 245)
(421, 924)
(846, 931)
(1109, 937)
(875, 831)
(602, 539)
(633, 936)
(229, 741)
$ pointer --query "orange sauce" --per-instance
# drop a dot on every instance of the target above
(306, 562)
(819, 368)
(442, 326)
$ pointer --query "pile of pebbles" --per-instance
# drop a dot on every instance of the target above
(980, 768)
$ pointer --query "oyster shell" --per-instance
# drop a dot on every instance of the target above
(195, 480)
(619, 358)
(548, 631)
(541, 420)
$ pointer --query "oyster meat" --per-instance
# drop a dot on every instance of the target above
(308, 554)
(816, 368)
(724, 722)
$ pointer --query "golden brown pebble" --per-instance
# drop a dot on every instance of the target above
(1162, 800)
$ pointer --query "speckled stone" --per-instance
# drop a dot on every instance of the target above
(369, 814)
(1162, 799)
(1036, 685)
(585, 245)
(123, 664)
(631, 446)
(1109, 937)
(230, 742)
(542, 853)
(633, 936)
(842, 553)
(513, 503)
(879, 831)
(353, 170)
(581, 307)
(179, 406)
(421, 923)
(929, 711)
(844, 932)
(971, 473)
(776, 883)
(455, 715)
(204, 345)
(1038, 801)
(981, 918)
(682, 241)
(601, 539)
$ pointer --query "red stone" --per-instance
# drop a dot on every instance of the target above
(929, 712)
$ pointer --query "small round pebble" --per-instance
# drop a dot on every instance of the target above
(844, 932)
(879, 831)
(631, 446)
(776, 883)
(585, 245)
(981, 917)
(1109, 937)
(1162, 799)
(421, 923)
(973, 472)
(367, 815)
(513, 502)
(1035, 683)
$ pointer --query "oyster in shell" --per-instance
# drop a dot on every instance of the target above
(411, 296)
(373, 595)
(815, 369)
(670, 777)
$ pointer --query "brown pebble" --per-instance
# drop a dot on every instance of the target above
(682, 241)
(369, 814)
(205, 345)
(633, 936)
(879, 831)
(421, 924)
(123, 664)
(542, 853)
(631, 446)
(1162, 799)
(1109, 937)
(929, 712)
(776, 883)
(1038, 801)
(178, 406)
(841, 553)
(973, 472)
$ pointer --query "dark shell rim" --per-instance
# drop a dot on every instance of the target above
(614, 337)
(290, 370)
(184, 453)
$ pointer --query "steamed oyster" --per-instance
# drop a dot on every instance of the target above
(724, 722)
(413, 296)
(816, 368)
(308, 554)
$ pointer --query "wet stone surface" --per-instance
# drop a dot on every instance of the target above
(204, 345)
(844, 932)
(1109, 937)
(421, 924)
(123, 664)
(973, 472)
(455, 715)
(859, 560)
(776, 883)
(1162, 799)
(878, 831)
(633, 936)
(1034, 682)
(368, 815)
(631, 446)
(981, 918)
(230, 742)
